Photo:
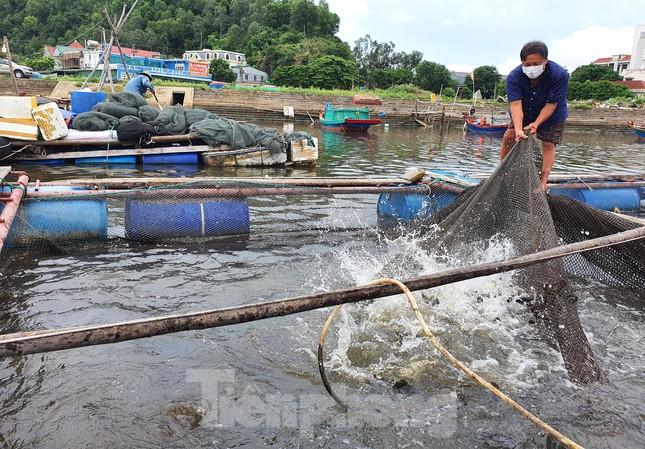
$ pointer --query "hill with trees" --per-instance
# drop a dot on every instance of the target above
(294, 41)
(269, 32)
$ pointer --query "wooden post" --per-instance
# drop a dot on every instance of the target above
(5, 44)
(115, 32)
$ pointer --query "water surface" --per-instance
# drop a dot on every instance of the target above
(257, 384)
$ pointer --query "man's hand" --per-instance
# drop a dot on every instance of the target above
(532, 128)
(519, 135)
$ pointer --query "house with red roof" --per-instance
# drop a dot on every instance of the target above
(76, 44)
(132, 52)
(618, 63)
(636, 86)
(76, 56)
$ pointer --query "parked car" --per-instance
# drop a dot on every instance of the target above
(20, 71)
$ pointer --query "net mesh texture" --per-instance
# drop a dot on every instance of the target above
(511, 203)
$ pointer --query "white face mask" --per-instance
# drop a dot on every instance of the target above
(533, 71)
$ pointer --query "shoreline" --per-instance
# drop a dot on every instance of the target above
(259, 105)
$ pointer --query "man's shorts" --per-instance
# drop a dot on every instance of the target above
(552, 134)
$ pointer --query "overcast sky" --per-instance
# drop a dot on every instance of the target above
(467, 33)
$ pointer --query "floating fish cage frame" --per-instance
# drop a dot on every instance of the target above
(153, 209)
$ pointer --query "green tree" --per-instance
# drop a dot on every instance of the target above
(38, 63)
(303, 52)
(486, 78)
(407, 60)
(448, 92)
(371, 55)
(433, 76)
(30, 23)
(593, 72)
(466, 93)
(173, 26)
(597, 90)
(332, 72)
(384, 78)
(501, 88)
(291, 75)
(221, 71)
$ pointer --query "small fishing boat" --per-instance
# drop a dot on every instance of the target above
(216, 85)
(482, 126)
(639, 129)
(347, 119)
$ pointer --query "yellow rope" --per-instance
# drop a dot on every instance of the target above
(452, 359)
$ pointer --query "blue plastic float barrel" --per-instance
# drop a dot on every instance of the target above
(109, 160)
(59, 220)
(170, 159)
(84, 101)
(604, 199)
(408, 207)
(156, 220)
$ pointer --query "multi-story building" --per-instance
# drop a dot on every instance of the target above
(245, 73)
(618, 63)
(636, 70)
(233, 58)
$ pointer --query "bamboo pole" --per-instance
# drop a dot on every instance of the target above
(128, 183)
(232, 192)
(115, 32)
(572, 177)
(68, 338)
(596, 185)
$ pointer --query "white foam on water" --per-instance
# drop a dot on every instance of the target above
(480, 320)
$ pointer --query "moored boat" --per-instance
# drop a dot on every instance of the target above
(347, 119)
(483, 127)
(639, 129)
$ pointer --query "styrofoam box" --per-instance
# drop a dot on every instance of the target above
(50, 121)
(17, 107)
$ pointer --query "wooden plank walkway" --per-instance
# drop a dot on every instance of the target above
(113, 153)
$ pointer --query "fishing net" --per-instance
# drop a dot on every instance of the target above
(511, 205)
(117, 110)
(238, 135)
(171, 119)
(94, 121)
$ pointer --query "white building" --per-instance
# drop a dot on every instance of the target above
(636, 69)
(233, 58)
(618, 63)
(248, 75)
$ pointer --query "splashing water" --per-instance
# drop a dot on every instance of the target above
(483, 321)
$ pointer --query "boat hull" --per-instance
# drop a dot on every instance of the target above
(640, 133)
(356, 125)
(486, 129)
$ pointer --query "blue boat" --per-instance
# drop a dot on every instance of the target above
(483, 128)
(639, 130)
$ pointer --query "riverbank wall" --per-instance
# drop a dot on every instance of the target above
(260, 106)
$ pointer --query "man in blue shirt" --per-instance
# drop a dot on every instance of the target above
(537, 94)
(140, 84)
